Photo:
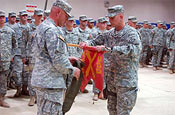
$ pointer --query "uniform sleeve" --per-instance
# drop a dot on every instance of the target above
(57, 50)
(99, 40)
(132, 48)
(14, 44)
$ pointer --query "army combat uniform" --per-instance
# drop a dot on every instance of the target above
(51, 64)
(7, 36)
(122, 78)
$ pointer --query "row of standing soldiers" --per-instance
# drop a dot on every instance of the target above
(158, 43)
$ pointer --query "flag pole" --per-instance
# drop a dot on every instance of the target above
(45, 5)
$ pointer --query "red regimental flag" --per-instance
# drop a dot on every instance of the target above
(94, 67)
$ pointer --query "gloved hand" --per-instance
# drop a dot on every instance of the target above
(76, 73)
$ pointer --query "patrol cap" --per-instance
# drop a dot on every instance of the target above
(38, 12)
(108, 23)
(71, 18)
(101, 20)
(63, 5)
(83, 18)
(115, 10)
(132, 18)
(159, 22)
(23, 12)
(12, 14)
(89, 19)
(172, 23)
(150, 24)
(47, 13)
(17, 18)
(92, 21)
(2, 13)
(29, 18)
(145, 22)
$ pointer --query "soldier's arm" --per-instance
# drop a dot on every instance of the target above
(99, 40)
(14, 43)
(132, 48)
(57, 52)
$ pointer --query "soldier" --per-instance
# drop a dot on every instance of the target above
(109, 26)
(121, 63)
(168, 34)
(84, 33)
(38, 13)
(91, 27)
(157, 43)
(46, 14)
(17, 19)
(22, 36)
(171, 49)
(132, 21)
(29, 19)
(51, 61)
(7, 35)
(145, 33)
(71, 36)
(11, 19)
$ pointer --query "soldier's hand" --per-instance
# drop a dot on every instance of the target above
(11, 60)
(82, 45)
(100, 48)
(73, 59)
(23, 60)
(76, 73)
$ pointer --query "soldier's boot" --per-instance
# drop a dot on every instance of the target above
(171, 71)
(95, 97)
(141, 65)
(3, 103)
(154, 68)
(85, 91)
(158, 68)
(24, 90)
(18, 92)
(101, 96)
(32, 101)
(145, 65)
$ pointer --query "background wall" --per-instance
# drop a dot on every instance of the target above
(151, 10)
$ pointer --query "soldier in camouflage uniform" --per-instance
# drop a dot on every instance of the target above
(51, 61)
(84, 33)
(122, 62)
(109, 26)
(7, 35)
(71, 36)
(171, 48)
(145, 33)
(11, 23)
(38, 13)
(11, 19)
(157, 43)
(22, 36)
(132, 21)
(168, 34)
(91, 27)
